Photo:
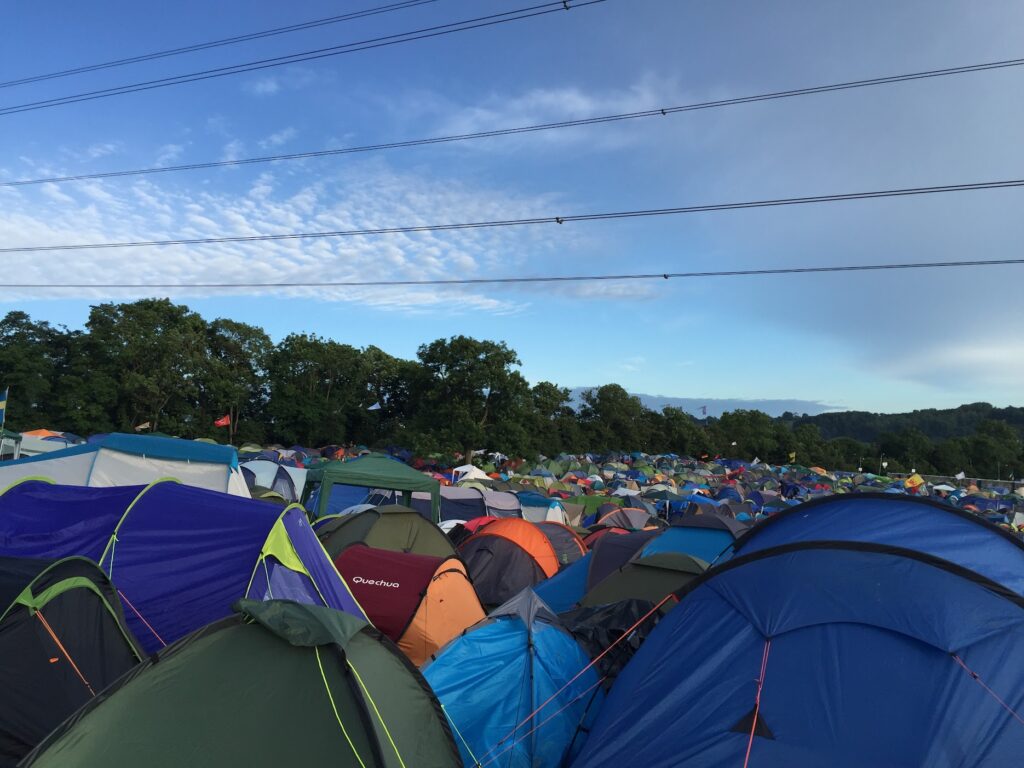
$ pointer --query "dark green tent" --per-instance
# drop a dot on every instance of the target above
(279, 684)
(647, 578)
(393, 527)
(374, 470)
(63, 639)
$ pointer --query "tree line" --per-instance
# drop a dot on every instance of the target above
(157, 362)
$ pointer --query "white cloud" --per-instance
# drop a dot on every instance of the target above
(264, 86)
(96, 151)
(369, 195)
(233, 150)
(168, 153)
(278, 138)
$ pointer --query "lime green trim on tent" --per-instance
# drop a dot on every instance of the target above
(334, 707)
(469, 749)
(376, 711)
(112, 541)
(34, 602)
(30, 479)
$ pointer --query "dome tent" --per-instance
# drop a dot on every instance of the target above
(505, 557)
(292, 684)
(829, 640)
(493, 677)
(393, 527)
(420, 602)
(646, 577)
(180, 556)
(63, 639)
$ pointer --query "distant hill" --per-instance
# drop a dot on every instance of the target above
(936, 424)
(716, 407)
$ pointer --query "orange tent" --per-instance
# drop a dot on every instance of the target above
(420, 602)
(505, 557)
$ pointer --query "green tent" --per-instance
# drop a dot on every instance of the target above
(280, 684)
(397, 528)
(374, 470)
(649, 578)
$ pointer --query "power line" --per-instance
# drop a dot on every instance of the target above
(622, 116)
(581, 217)
(400, 6)
(320, 53)
(544, 279)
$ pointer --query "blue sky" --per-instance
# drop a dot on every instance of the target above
(877, 341)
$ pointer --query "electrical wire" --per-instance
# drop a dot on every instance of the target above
(623, 116)
(379, 42)
(400, 6)
(538, 279)
(583, 217)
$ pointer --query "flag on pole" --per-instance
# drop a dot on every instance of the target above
(223, 421)
(960, 475)
(143, 425)
(3, 405)
(792, 457)
(374, 407)
(704, 411)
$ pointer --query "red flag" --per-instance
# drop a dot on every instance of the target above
(223, 421)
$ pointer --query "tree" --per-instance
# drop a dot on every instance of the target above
(234, 379)
(472, 393)
(29, 356)
(612, 419)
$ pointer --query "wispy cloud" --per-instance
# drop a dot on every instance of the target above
(233, 150)
(278, 138)
(168, 153)
(264, 86)
(365, 196)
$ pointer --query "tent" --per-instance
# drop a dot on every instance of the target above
(493, 677)
(629, 517)
(568, 546)
(420, 602)
(909, 522)
(63, 639)
(703, 536)
(646, 577)
(118, 459)
(179, 556)
(566, 589)
(372, 471)
(393, 527)
(275, 477)
(279, 684)
(506, 556)
(824, 653)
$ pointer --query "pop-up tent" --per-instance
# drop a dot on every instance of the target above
(179, 556)
(843, 654)
(63, 639)
(492, 678)
(506, 556)
(393, 527)
(372, 471)
(420, 602)
(280, 684)
(117, 459)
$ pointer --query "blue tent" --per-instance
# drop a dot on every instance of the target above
(493, 678)
(824, 654)
(704, 536)
(180, 556)
(908, 522)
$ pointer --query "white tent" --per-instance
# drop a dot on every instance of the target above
(119, 459)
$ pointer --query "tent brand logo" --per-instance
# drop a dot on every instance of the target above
(375, 582)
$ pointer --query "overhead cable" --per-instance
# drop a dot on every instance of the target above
(500, 223)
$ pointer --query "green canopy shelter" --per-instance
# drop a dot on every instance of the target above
(374, 470)
(279, 684)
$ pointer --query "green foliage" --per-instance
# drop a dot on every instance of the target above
(156, 361)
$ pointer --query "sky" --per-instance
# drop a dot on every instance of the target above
(879, 341)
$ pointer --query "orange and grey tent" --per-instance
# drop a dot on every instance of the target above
(505, 557)
(568, 546)
(420, 602)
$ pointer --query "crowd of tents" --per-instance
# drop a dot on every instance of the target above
(167, 602)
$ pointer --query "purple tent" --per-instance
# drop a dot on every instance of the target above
(179, 556)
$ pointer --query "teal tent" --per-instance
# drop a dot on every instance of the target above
(374, 470)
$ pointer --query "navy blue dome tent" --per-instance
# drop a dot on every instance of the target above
(833, 652)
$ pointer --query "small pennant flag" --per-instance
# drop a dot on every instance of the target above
(960, 475)
(3, 405)
(223, 421)
(143, 425)
(374, 407)
(792, 457)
